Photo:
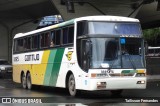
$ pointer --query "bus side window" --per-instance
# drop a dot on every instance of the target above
(20, 45)
(82, 28)
(65, 35)
(58, 37)
(35, 42)
(47, 39)
(25, 44)
(71, 34)
(15, 46)
(52, 39)
(28, 43)
(44, 40)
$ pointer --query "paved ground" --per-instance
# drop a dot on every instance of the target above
(60, 97)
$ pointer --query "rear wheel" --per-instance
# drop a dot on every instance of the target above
(71, 85)
(23, 81)
(29, 83)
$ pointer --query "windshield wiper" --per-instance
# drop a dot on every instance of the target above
(129, 57)
(112, 64)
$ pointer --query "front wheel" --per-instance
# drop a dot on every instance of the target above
(71, 85)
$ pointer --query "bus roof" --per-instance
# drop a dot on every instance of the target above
(89, 18)
(108, 18)
(44, 29)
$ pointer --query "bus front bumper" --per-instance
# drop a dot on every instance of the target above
(116, 83)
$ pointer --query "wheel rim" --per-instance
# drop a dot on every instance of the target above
(23, 81)
(71, 86)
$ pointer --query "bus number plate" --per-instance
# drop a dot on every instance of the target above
(106, 71)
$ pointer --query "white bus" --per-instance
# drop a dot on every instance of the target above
(89, 53)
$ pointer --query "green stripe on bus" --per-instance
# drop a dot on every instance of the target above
(49, 67)
(128, 71)
(56, 67)
(66, 23)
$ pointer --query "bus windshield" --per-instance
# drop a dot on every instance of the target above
(116, 53)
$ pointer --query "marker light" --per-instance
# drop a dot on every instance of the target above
(140, 82)
(140, 71)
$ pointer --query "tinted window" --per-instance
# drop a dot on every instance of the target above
(52, 39)
(68, 35)
(20, 45)
(27, 43)
(58, 37)
(71, 34)
(15, 46)
(35, 42)
(44, 40)
(65, 35)
(82, 28)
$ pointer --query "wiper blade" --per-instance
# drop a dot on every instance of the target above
(133, 65)
(112, 64)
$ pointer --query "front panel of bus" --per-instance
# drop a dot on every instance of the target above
(111, 54)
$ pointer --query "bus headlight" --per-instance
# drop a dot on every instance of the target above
(140, 82)
(140, 74)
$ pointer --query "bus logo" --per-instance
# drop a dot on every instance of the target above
(69, 55)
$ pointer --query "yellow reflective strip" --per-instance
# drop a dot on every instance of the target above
(140, 71)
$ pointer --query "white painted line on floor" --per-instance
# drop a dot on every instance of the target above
(1, 87)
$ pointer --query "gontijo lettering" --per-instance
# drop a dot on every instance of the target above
(32, 57)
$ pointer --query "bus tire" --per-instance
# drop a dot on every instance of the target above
(23, 81)
(116, 92)
(29, 83)
(71, 85)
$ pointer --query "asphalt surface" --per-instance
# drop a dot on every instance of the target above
(60, 97)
